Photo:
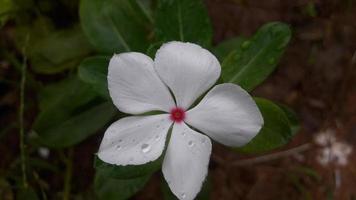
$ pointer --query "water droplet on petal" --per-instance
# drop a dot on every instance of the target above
(183, 133)
(120, 140)
(191, 143)
(183, 195)
(157, 137)
(202, 140)
(118, 147)
(145, 148)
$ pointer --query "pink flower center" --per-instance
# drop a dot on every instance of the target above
(177, 114)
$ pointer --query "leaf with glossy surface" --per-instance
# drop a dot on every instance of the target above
(115, 26)
(183, 20)
(224, 48)
(292, 118)
(275, 132)
(108, 188)
(94, 71)
(70, 112)
(256, 58)
(59, 51)
(128, 171)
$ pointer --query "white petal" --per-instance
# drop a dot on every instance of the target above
(187, 69)
(134, 85)
(135, 140)
(185, 164)
(228, 114)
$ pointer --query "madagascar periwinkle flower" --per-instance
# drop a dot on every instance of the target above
(178, 76)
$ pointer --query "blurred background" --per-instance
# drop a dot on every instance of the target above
(316, 77)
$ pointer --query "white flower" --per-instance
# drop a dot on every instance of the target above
(137, 85)
(43, 152)
(333, 151)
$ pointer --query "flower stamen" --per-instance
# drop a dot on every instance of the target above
(177, 114)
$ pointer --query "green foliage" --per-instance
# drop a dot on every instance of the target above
(58, 51)
(26, 194)
(70, 112)
(94, 70)
(6, 7)
(256, 58)
(223, 49)
(115, 26)
(79, 106)
(128, 171)
(109, 188)
(292, 118)
(275, 132)
(183, 20)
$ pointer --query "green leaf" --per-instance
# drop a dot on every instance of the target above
(204, 193)
(63, 97)
(108, 188)
(6, 189)
(224, 48)
(59, 51)
(94, 71)
(114, 26)
(26, 194)
(128, 171)
(70, 112)
(6, 7)
(256, 58)
(292, 118)
(183, 20)
(275, 131)
(152, 49)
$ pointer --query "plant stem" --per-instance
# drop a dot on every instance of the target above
(273, 156)
(68, 175)
(21, 115)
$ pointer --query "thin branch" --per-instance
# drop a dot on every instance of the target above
(68, 175)
(21, 115)
(273, 156)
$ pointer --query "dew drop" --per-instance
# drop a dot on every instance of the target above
(118, 147)
(120, 140)
(145, 148)
(191, 143)
(183, 133)
(157, 137)
(183, 195)
(202, 140)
